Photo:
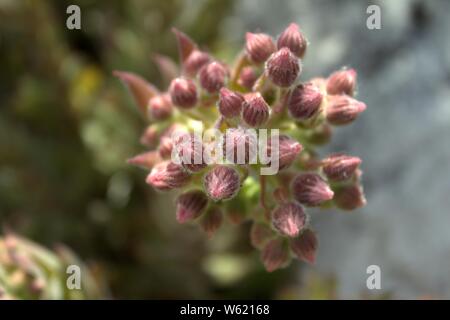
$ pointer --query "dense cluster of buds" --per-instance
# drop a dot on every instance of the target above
(29, 271)
(261, 90)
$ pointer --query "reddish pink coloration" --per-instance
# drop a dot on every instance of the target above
(149, 137)
(342, 82)
(183, 93)
(293, 39)
(256, 111)
(195, 61)
(305, 246)
(189, 148)
(185, 44)
(165, 147)
(167, 175)
(141, 90)
(190, 205)
(304, 102)
(340, 167)
(160, 107)
(288, 149)
(310, 189)
(247, 78)
(166, 66)
(275, 255)
(222, 183)
(211, 221)
(260, 234)
(230, 103)
(145, 160)
(289, 219)
(212, 76)
(239, 145)
(349, 197)
(283, 68)
(259, 46)
(343, 110)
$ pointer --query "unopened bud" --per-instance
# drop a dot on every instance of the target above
(310, 189)
(160, 107)
(283, 67)
(189, 148)
(343, 109)
(195, 61)
(230, 103)
(146, 160)
(256, 111)
(212, 76)
(222, 183)
(185, 44)
(167, 175)
(240, 146)
(259, 46)
(165, 147)
(342, 82)
(275, 255)
(349, 197)
(190, 205)
(304, 102)
(211, 220)
(340, 167)
(183, 93)
(305, 246)
(247, 78)
(260, 234)
(149, 137)
(288, 149)
(293, 39)
(289, 219)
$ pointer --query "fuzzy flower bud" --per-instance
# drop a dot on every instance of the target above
(293, 39)
(256, 111)
(260, 234)
(190, 205)
(165, 147)
(222, 183)
(343, 110)
(283, 67)
(212, 76)
(342, 82)
(259, 46)
(304, 102)
(195, 61)
(247, 78)
(340, 167)
(189, 148)
(275, 255)
(183, 93)
(160, 107)
(211, 221)
(240, 146)
(305, 246)
(146, 160)
(349, 197)
(289, 219)
(230, 103)
(288, 149)
(167, 175)
(310, 189)
(185, 44)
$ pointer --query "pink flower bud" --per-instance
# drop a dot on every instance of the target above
(260, 234)
(167, 175)
(141, 90)
(259, 46)
(145, 160)
(222, 183)
(304, 102)
(340, 167)
(310, 189)
(342, 82)
(183, 93)
(288, 149)
(349, 197)
(160, 107)
(289, 219)
(275, 255)
(185, 44)
(343, 110)
(230, 103)
(305, 246)
(211, 221)
(166, 66)
(149, 137)
(293, 39)
(256, 111)
(189, 148)
(283, 67)
(240, 146)
(165, 147)
(212, 76)
(190, 205)
(195, 61)
(247, 78)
